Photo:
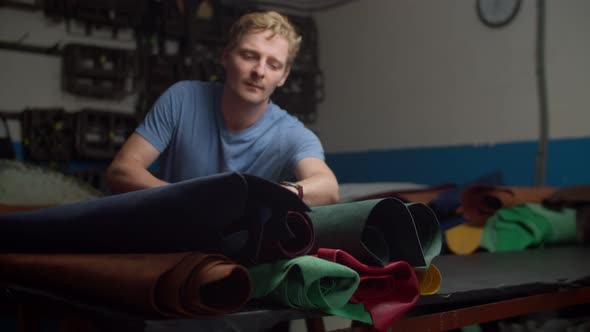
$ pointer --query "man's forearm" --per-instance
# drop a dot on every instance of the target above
(123, 178)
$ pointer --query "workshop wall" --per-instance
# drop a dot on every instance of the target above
(34, 80)
(423, 91)
(413, 90)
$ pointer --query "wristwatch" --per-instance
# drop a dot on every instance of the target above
(296, 186)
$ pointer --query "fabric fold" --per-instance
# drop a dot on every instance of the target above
(526, 226)
(187, 284)
(447, 204)
(304, 282)
(385, 292)
(223, 213)
(483, 201)
(299, 243)
(428, 229)
(377, 232)
(430, 279)
(465, 239)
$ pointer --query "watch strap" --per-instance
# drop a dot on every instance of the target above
(296, 186)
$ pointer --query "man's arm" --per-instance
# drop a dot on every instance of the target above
(128, 171)
(319, 183)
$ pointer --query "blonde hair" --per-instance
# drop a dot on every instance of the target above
(267, 21)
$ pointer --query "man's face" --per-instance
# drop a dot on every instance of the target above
(256, 66)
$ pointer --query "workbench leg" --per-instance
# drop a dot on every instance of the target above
(28, 319)
(76, 324)
(315, 324)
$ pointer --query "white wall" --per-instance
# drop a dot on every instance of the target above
(568, 67)
(411, 73)
(34, 80)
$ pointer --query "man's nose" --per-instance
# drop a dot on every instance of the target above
(259, 69)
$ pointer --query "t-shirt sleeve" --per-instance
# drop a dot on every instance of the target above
(304, 144)
(161, 121)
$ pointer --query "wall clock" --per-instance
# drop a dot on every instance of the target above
(497, 13)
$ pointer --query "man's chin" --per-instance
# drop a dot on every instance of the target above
(254, 99)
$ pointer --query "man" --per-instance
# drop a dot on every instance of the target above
(204, 128)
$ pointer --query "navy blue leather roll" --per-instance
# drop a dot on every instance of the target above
(226, 213)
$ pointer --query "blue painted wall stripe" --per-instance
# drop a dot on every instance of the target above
(568, 163)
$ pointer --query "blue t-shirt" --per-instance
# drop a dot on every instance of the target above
(187, 127)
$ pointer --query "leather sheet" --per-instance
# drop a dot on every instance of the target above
(233, 214)
(304, 282)
(528, 225)
(447, 204)
(430, 279)
(483, 201)
(386, 293)
(185, 284)
(377, 232)
(300, 242)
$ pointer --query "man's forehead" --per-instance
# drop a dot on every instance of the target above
(266, 42)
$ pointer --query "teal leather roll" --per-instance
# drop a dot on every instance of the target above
(379, 231)
(428, 231)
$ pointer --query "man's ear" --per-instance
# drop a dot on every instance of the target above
(284, 78)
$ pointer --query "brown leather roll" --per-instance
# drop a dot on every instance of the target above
(483, 201)
(173, 284)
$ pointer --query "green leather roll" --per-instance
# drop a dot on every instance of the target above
(428, 230)
(379, 231)
(304, 282)
(528, 225)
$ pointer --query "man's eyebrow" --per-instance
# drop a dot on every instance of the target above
(277, 61)
(249, 50)
(245, 49)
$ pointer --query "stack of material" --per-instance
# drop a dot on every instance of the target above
(189, 249)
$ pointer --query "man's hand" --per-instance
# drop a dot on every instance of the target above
(319, 183)
(290, 188)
